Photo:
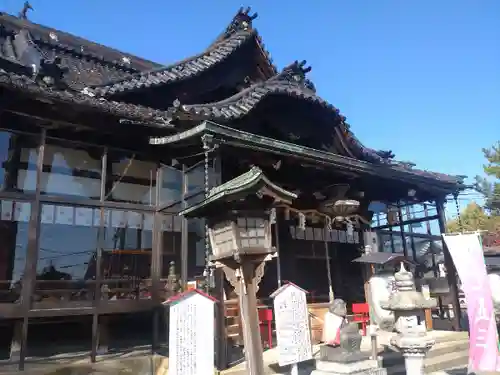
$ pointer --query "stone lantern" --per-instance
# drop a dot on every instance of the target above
(408, 306)
(238, 215)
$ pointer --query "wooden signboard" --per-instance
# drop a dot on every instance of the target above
(191, 336)
(292, 325)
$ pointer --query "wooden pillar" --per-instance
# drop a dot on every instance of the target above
(451, 272)
(102, 335)
(251, 333)
(16, 343)
(184, 231)
(221, 359)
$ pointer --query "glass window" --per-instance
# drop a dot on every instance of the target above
(67, 249)
(18, 159)
(14, 221)
(130, 179)
(196, 178)
(171, 185)
(71, 170)
(126, 255)
(196, 246)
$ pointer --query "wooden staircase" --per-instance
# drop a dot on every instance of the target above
(234, 332)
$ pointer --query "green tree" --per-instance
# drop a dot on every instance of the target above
(490, 186)
(472, 218)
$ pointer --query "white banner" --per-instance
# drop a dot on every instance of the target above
(467, 253)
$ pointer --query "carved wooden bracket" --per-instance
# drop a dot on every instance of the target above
(233, 276)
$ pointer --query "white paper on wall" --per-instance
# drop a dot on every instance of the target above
(22, 212)
(342, 236)
(84, 216)
(65, 215)
(148, 222)
(48, 214)
(97, 217)
(334, 235)
(119, 219)
(309, 234)
(134, 220)
(318, 234)
(356, 237)
(167, 224)
(7, 208)
(299, 233)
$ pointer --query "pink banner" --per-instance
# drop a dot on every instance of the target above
(467, 253)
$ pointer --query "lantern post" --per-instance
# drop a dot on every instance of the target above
(238, 215)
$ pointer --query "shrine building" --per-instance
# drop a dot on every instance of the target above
(100, 150)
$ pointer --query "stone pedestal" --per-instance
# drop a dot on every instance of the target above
(338, 361)
(414, 349)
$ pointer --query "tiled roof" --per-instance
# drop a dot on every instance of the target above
(88, 63)
(243, 182)
(133, 112)
(291, 82)
(79, 46)
(238, 33)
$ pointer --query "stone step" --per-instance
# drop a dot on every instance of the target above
(446, 336)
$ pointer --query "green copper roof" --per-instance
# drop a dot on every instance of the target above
(239, 184)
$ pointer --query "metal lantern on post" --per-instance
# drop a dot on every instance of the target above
(340, 209)
(239, 228)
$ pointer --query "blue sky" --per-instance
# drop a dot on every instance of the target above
(419, 77)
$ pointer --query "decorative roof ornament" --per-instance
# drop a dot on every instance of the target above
(296, 73)
(53, 36)
(23, 14)
(242, 21)
(385, 154)
(52, 73)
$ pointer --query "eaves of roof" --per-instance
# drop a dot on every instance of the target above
(28, 86)
(446, 184)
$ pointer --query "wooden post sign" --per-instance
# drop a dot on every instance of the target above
(292, 325)
(191, 334)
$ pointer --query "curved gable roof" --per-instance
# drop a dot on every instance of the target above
(291, 82)
(239, 32)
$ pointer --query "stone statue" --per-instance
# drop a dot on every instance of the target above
(342, 339)
(381, 286)
(350, 338)
(333, 321)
